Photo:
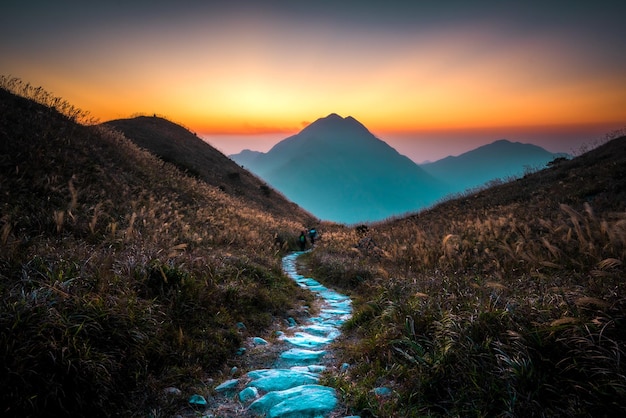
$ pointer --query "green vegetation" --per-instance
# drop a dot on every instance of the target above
(119, 274)
(507, 302)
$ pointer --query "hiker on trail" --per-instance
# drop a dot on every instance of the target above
(312, 235)
(302, 241)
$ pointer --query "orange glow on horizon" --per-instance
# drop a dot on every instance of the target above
(438, 108)
(256, 74)
(259, 106)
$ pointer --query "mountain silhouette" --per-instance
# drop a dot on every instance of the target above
(177, 145)
(501, 159)
(337, 170)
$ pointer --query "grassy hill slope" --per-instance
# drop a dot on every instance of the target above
(119, 274)
(177, 145)
(507, 302)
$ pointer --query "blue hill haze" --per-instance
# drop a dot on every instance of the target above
(336, 169)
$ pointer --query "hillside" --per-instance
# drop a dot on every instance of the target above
(174, 144)
(120, 275)
(505, 302)
(499, 160)
(336, 169)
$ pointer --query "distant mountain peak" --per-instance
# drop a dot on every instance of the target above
(335, 116)
(501, 159)
(337, 169)
(331, 118)
(337, 124)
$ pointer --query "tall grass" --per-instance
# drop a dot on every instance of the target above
(491, 305)
(41, 96)
(120, 275)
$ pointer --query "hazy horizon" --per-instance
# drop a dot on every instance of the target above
(423, 147)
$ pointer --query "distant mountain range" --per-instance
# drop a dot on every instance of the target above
(499, 160)
(336, 169)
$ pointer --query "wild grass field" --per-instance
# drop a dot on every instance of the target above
(119, 274)
(509, 301)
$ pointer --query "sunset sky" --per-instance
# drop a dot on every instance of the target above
(431, 78)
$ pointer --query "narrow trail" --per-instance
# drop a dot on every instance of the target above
(289, 387)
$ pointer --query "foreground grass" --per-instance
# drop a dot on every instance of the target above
(119, 275)
(507, 302)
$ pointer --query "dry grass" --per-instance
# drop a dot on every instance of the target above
(506, 302)
(119, 274)
(174, 144)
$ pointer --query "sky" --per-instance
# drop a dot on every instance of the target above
(431, 78)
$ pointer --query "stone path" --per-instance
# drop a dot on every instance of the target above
(290, 388)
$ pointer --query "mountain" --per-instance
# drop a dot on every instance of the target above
(336, 169)
(499, 160)
(177, 145)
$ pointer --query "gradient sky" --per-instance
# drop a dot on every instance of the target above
(432, 78)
